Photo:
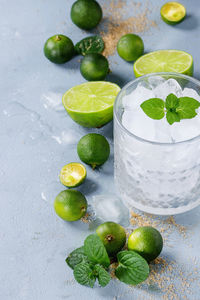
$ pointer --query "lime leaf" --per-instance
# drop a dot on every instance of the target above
(154, 108)
(91, 44)
(95, 250)
(187, 107)
(172, 117)
(171, 102)
(84, 274)
(132, 269)
(102, 275)
(76, 257)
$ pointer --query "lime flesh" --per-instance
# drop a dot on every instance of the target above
(173, 12)
(73, 174)
(91, 104)
(164, 61)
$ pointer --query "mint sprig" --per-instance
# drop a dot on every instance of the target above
(90, 263)
(173, 107)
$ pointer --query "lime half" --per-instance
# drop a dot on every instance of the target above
(164, 61)
(73, 174)
(173, 12)
(91, 104)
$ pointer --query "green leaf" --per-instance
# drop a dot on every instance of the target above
(171, 102)
(187, 107)
(154, 108)
(91, 44)
(84, 274)
(132, 269)
(102, 275)
(95, 250)
(172, 117)
(76, 257)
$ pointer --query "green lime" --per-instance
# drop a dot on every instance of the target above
(59, 49)
(73, 174)
(70, 205)
(173, 12)
(146, 241)
(91, 104)
(86, 14)
(93, 149)
(164, 61)
(94, 67)
(113, 237)
(130, 47)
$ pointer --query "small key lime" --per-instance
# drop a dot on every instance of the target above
(113, 237)
(94, 67)
(146, 241)
(70, 205)
(59, 49)
(130, 47)
(93, 149)
(73, 174)
(86, 14)
(173, 13)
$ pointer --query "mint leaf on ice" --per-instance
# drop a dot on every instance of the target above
(187, 107)
(154, 108)
(171, 102)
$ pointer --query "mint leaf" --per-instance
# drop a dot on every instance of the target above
(187, 107)
(84, 274)
(154, 108)
(91, 44)
(132, 269)
(76, 257)
(172, 117)
(102, 275)
(171, 102)
(95, 250)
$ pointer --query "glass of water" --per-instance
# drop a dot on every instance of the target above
(157, 165)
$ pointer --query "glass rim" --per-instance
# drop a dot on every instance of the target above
(115, 111)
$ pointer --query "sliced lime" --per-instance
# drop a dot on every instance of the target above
(91, 104)
(164, 61)
(73, 174)
(173, 12)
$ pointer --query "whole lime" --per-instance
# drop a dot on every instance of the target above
(94, 67)
(59, 49)
(86, 14)
(130, 47)
(113, 237)
(70, 205)
(146, 241)
(93, 149)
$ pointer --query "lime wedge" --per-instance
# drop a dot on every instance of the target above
(173, 12)
(164, 61)
(73, 174)
(91, 104)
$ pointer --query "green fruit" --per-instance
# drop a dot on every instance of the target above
(86, 14)
(73, 175)
(94, 67)
(146, 241)
(130, 47)
(70, 205)
(113, 237)
(59, 49)
(90, 104)
(173, 13)
(93, 149)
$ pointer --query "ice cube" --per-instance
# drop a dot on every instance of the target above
(136, 97)
(190, 93)
(166, 88)
(110, 208)
(154, 81)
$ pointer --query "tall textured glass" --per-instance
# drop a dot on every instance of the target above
(158, 178)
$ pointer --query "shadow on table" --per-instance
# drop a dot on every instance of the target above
(190, 22)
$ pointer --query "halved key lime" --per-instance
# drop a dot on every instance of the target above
(164, 61)
(173, 12)
(91, 104)
(73, 174)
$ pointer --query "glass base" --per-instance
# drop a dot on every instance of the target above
(159, 211)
